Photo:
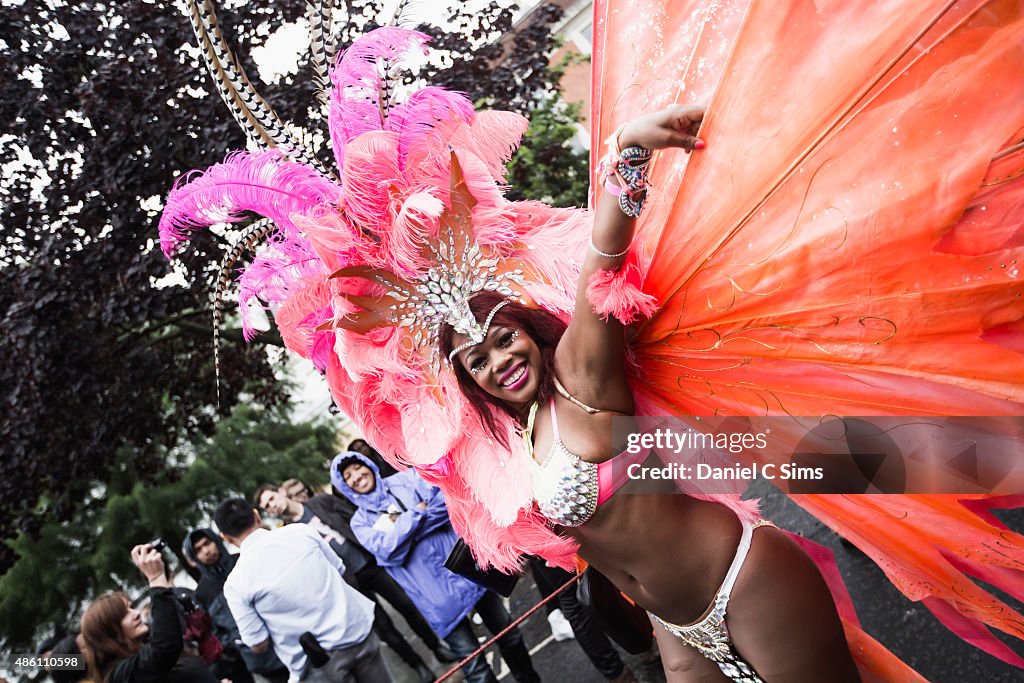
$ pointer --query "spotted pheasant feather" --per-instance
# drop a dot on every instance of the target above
(253, 235)
(411, 13)
(261, 125)
(318, 16)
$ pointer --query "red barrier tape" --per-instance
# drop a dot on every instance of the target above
(508, 628)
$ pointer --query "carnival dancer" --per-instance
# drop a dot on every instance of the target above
(782, 624)
(913, 306)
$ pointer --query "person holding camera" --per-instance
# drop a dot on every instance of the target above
(120, 647)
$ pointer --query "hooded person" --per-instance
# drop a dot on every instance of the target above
(55, 647)
(205, 551)
(330, 516)
(404, 522)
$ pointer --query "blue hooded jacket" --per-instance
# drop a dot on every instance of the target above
(414, 548)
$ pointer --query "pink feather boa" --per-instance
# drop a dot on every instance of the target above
(617, 293)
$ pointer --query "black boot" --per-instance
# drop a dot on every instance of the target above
(519, 663)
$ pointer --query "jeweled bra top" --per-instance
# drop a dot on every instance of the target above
(567, 489)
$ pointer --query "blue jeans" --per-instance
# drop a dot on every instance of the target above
(513, 650)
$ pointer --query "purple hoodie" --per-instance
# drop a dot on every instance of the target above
(412, 549)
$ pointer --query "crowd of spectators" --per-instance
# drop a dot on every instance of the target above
(303, 600)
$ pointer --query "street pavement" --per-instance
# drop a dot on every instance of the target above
(906, 628)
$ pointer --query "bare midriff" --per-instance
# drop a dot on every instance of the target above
(668, 552)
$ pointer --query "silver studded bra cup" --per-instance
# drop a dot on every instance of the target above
(565, 487)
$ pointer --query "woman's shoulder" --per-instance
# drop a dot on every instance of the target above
(188, 669)
(591, 390)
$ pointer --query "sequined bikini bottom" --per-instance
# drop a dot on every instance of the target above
(710, 635)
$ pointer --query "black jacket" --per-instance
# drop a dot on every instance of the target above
(335, 512)
(160, 660)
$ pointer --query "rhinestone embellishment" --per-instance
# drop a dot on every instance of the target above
(565, 487)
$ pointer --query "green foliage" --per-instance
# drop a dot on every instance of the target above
(74, 561)
(112, 106)
(548, 166)
(109, 390)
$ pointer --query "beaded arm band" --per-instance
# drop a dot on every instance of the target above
(630, 167)
(593, 248)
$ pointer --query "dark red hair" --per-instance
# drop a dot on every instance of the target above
(544, 328)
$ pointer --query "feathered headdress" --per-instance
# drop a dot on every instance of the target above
(362, 269)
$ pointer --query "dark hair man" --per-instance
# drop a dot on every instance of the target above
(287, 589)
(203, 549)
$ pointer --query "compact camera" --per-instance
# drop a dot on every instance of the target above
(158, 544)
(187, 602)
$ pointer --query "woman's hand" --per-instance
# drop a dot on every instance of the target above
(151, 563)
(674, 126)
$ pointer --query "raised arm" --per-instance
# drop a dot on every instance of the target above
(592, 349)
(159, 655)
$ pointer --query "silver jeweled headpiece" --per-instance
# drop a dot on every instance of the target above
(480, 333)
(459, 269)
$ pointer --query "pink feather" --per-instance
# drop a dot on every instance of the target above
(323, 347)
(502, 547)
(273, 274)
(378, 352)
(416, 118)
(402, 243)
(497, 477)
(354, 108)
(297, 318)
(556, 245)
(497, 134)
(617, 293)
(266, 183)
(331, 238)
(369, 173)
(428, 428)
(492, 214)
(436, 472)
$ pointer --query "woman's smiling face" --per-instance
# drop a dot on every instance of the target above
(506, 364)
(359, 478)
